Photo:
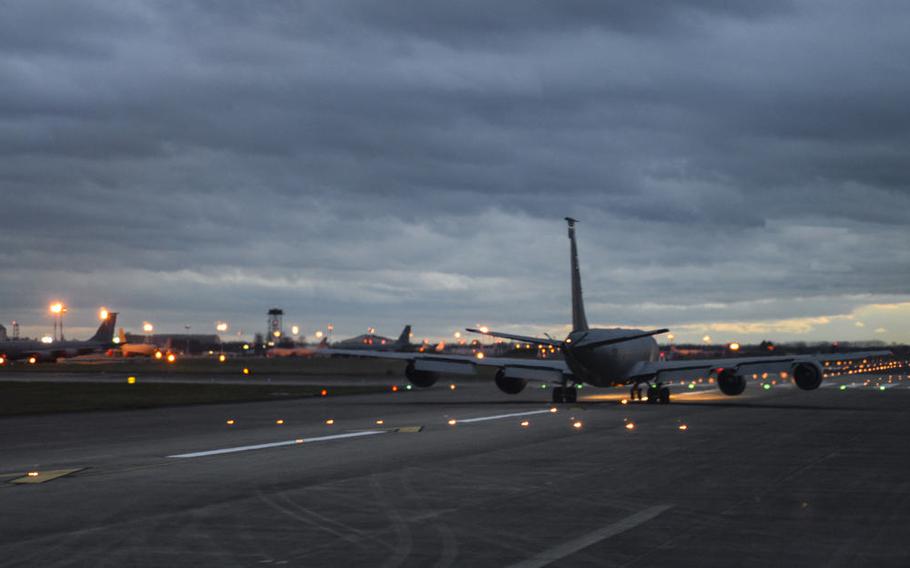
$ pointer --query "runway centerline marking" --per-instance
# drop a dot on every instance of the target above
(501, 416)
(279, 444)
(559, 552)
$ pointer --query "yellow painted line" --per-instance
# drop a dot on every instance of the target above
(44, 476)
(409, 429)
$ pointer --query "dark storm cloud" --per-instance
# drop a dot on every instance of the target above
(411, 160)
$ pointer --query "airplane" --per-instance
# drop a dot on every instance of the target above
(371, 342)
(37, 351)
(606, 358)
(128, 349)
(298, 351)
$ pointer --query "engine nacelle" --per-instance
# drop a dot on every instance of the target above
(730, 383)
(509, 385)
(807, 376)
(422, 379)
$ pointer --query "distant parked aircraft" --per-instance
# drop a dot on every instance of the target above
(39, 351)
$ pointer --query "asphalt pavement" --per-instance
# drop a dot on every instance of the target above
(468, 476)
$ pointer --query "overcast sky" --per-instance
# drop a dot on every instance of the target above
(739, 169)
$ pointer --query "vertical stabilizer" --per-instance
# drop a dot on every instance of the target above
(579, 321)
(105, 333)
(405, 338)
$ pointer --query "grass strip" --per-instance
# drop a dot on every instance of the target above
(18, 398)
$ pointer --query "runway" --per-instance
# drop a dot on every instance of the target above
(469, 477)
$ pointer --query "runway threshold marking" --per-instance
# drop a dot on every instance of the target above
(559, 552)
(279, 444)
(501, 416)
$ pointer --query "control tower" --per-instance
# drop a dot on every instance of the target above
(275, 324)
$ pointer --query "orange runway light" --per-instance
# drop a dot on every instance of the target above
(230, 422)
(452, 387)
(554, 410)
(32, 360)
(158, 355)
(380, 422)
(577, 424)
(330, 421)
(683, 427)
(131, 380)
(394, 388)
(280, 421)
(171, 358)
(452, 422)
(246, 371)
(525, 423)
(32, 474)
(630, 425)
(323, 392)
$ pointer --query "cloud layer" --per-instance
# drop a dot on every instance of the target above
(369, 163)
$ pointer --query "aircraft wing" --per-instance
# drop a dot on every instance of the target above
(541, 370)
(656, 368)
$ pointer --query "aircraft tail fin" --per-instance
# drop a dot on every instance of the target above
(579, 321)
(105, 333)
(405, 337)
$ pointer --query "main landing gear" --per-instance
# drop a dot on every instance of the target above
(565, 394)
(657, 393)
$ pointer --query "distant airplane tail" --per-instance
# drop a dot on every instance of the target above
(105, 333)
(405, 337)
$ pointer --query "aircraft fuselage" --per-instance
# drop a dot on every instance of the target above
(611, 364)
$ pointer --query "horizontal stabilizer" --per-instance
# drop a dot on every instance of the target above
(521, 338)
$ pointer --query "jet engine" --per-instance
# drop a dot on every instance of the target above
(730, 383)
(422, 379)
(509, 385)
(807, 376)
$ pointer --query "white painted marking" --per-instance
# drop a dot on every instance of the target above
(559, 552)
(501, 416)
(279, 444)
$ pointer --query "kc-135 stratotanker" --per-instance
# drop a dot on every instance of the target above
(606, 358)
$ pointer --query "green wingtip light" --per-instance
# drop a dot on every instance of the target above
(691, 385)
(881, 388)
(766, 386)
(843, 387)
(408, 387)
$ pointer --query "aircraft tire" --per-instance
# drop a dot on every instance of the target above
(653, 395)
(663, 395)
(571, 394)
(559, 394)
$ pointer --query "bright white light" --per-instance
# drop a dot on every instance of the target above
(47, 339)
